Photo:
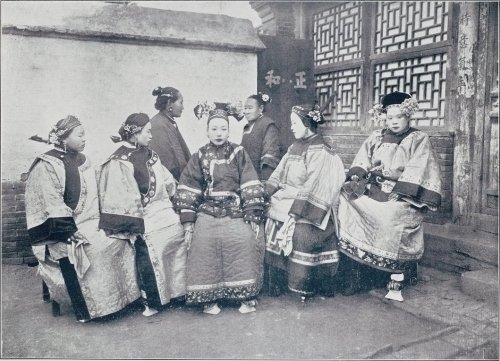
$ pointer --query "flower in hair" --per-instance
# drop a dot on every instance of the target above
(236, 109)
(55, 134)
(203, 109)
(132, 128)
(265, 97)
(314, 115)
(376, 112)
(53, 138)
(409, 106)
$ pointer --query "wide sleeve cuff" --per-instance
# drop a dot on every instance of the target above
(304, 209)
(114, 223)
(58, 229)
(187, 215)
(418, 193)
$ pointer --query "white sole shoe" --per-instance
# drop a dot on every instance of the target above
(244, 308)
(149, 311)
(212, 310)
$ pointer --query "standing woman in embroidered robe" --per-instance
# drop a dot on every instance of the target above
(62, 212)
(167, 141)
(221, 201)
(301, 228)
(393, 180)
(134, 193)
(261, 136)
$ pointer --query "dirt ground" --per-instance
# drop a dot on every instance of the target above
(282, 328)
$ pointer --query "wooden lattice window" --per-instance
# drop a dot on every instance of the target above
(403, 25)
(337, 34)
(424, 76)
(400, 46)
(348, 85)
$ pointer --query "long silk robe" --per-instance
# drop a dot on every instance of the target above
(134, 191)
(306, 184)
(218, 190)
(387, 234)
(105, 266)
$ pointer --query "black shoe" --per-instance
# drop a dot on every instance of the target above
(177, 302)
(411, 275)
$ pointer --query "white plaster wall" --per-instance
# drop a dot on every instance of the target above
(45, 79)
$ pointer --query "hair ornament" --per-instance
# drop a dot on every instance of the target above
(377, 112)
(131, 128)
(306, 112)
(235, 109)
(203, 109)
(61, 128)
(409, 106)
(162, 92)
(315, 115)
(265, 98)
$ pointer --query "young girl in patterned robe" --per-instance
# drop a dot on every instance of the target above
(221, 201)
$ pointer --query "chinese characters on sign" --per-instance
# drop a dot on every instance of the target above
(273, 80)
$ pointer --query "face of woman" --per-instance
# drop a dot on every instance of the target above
(177, 106)
(218, 131)
(144, 136)
(76, 139)
(298, 128)
(396, 121)
(252, 109)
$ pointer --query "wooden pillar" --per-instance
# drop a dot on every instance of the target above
(483, 82)
(465, 113)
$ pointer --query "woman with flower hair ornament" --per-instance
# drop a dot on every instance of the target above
(134, 193)
(62, 213)
(167, 140)
(392, 181)
(221, 203)
(261, 136)
(301, 234)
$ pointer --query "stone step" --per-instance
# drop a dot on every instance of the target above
(459, 249)
(481, 284)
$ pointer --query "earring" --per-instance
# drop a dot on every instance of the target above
(170, 109)
(64, 146)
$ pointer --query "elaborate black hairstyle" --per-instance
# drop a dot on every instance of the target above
(164, 96)
(132, 125)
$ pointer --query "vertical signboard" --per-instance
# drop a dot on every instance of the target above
(286, 74)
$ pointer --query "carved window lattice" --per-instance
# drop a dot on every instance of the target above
(337, 34)
(402, 25)
(347, 85)
(424, 78)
